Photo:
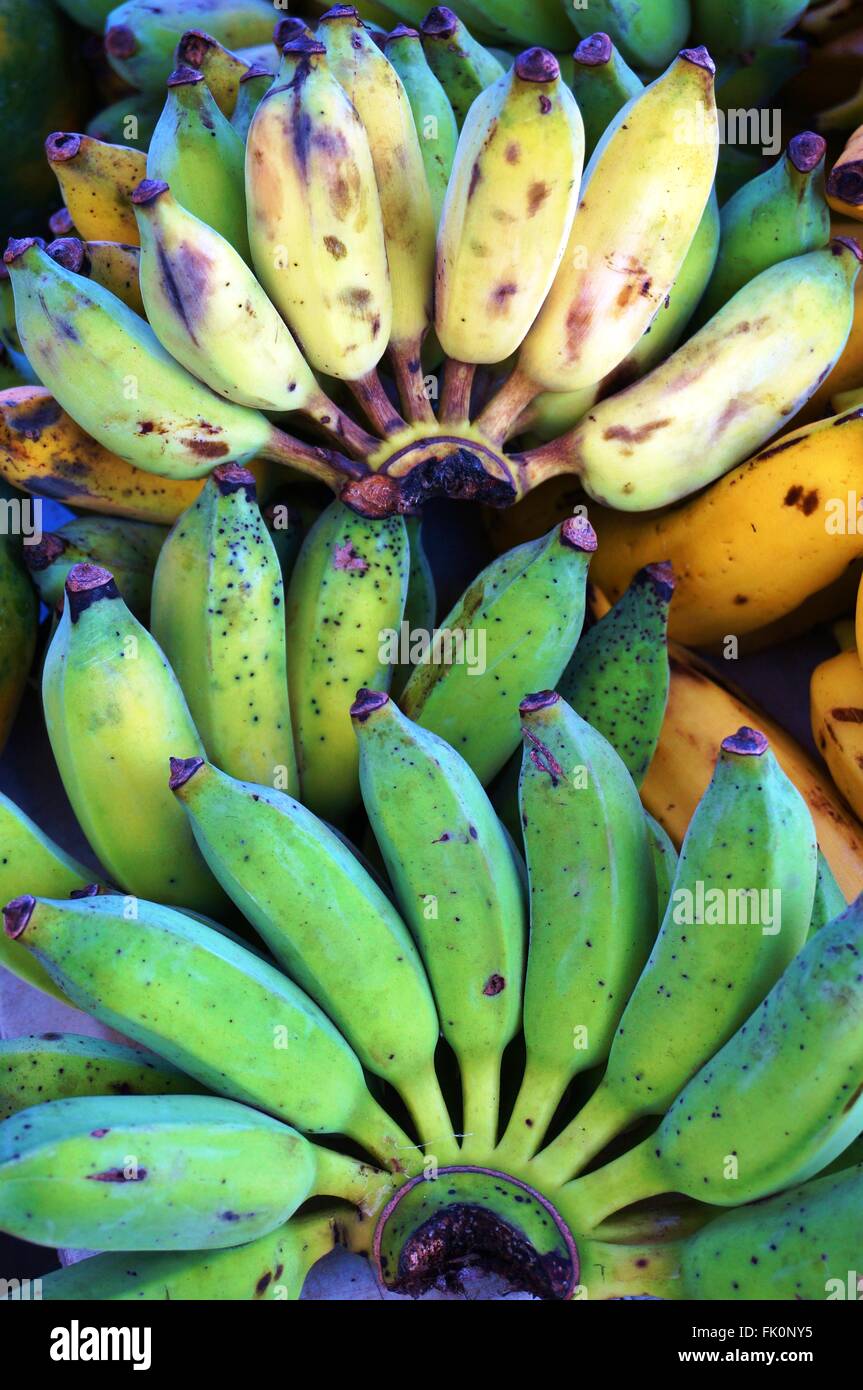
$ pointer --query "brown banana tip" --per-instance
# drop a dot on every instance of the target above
(661, 576)
(69, 251)
(594, 51)
(19, 246)
(182, 771)
(341, 12)
(62, 145)
(185, 76)
(402, 31)
(846, 182)
(258, 69)
(746, 743)
(44, 553)
(194, 47)
(578, 533)
(700, 57)
(85, 585)
(17, 914)
(439, 23)
(304, 47)
(367, 702)
(120, 41)
(148, 191)
(806, 151)
(376, 495)
(537, 65)
(92, 890)
(846, 243)
(232, 477)
(543, 699)
(60, 223)
(287, 28)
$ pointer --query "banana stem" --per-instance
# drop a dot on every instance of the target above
(326, 465)
(537, 1100)
(504, 408)
(408, 369)
(376, 405)
(376, 1132)
(341, 427)
(457, 387)
(585, 1203)
(595, 1125)
(548, 461)
(367, 1188)
(423, 1096)
(480, 1085)
(627, 1271)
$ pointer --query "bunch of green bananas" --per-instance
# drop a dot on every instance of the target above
(388, 245)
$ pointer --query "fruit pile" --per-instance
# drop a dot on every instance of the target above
(528, 900)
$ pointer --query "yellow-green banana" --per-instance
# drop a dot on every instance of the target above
(19, 616)
(51, 1066)
(109, 263)
(647, 35)
(434, 118)
(462, 66)
(254, 85)
(129, 549)
(96, 180)
(602, 82)
(141, 38)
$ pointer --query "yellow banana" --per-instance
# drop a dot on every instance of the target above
(96, 181)
(845, 183)
(848, 372)
(836, 699)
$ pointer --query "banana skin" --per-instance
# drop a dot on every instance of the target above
(53, 1066)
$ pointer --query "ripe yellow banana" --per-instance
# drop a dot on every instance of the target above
(96, 181)
(836, 696)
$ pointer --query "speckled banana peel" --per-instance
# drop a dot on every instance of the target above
(96, 180)
(54, 1066)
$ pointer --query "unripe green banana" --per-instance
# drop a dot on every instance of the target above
(114, 711)
(140, 38)
(829, 899)
(222, 70)
(241, 1029)
(272, 1267)
(462, 66)
(434, 118)
(129, 549)
(714, 402)
(592, 907)
(512, 23)
(665, 860)
(740, 25)
(739, 913)
(254, 85)
(90, 14)
(107, 368)
(509, 210)
(603, 83)
(763, 72)
(196, 150)
(648, 36)
(780, 214)
(329, 924)
(155, 1173)
(287, 529)
(421, 601)
(778, 1103)
(219, 617)
(130, 120)
(315, 221)
(52, 1066)
(19, 616)
(347, 593)
(525, 612)
(459, 890)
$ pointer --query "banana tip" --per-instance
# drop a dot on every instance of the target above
(19, 246)
(537, 65)
(661, 577)
(439, 23)
(40, 556)
(806, 151)
(746, 743)
(258, 69)
(232, 477)
(194, 47)
(543, 699)
(148, 191)
(840, 244)
(402, 31)
(594, 51)
(69, 251)
(578, 533)
(700, 57)
(182, 771)
(341, 12)
(62, 145)
(90, 890)
(367, 702)
(120, 41)
(85, 585)
(184, 76)
(286, 29)
(303, 46)
(17, 914)
(61, 223)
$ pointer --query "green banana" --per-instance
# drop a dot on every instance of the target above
(462, 66)
(129, 121)
(590, 932)
(420, 603)
(741, 25)
(242, 1028)
(10, 342)
(287, 529)
(219, 617)
(603, 83)
(648, 36)
(141, 38)
(740, 909)
(736, 166)
(780, 214)
(778, 1103)
(436, 125)
(347, 593)
(760, 74)
(665, 860)
(156, 1173)
(19, 616)
(510, 22)
(329, 924)
(52, 1066)
(272, 1267)
(129, 549)
(255, 82)
(519, 621)
(196, 150)
(90, 14)
(114, 712)
(459, 891)
(829, 898)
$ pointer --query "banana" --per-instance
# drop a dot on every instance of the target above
(374, 87)
(347, 594)
(221, 69)
(129, 121)
(590, 932)
(647, 36)
(159, 1173)
(241, 1029)
(760, 75)
(512, 630)
(462, 66)
(10, 343)
(510, 23)
(255, 82)
(779, 215)
(219, 617)
(287, 528)
(459, 891)
(509, 210)
(315, 221)
(329, 924)
(52, 1066)
(420, 602)
(196, 150)
(434, 118)
(129, 549)
(108, 263)
(757, 543)
(19, 613)
(114, 710)
(715, 399)
(44, 452)
(845, 182)
(778, 1103)
(61, 225)
(141, 38)
(741, 25)
(90, 14)
(836, 697)
(272, 1267)
(631, 233)
(603, 83)
(665, 862)
(96, 180)
(735, 921)
(829, 898)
